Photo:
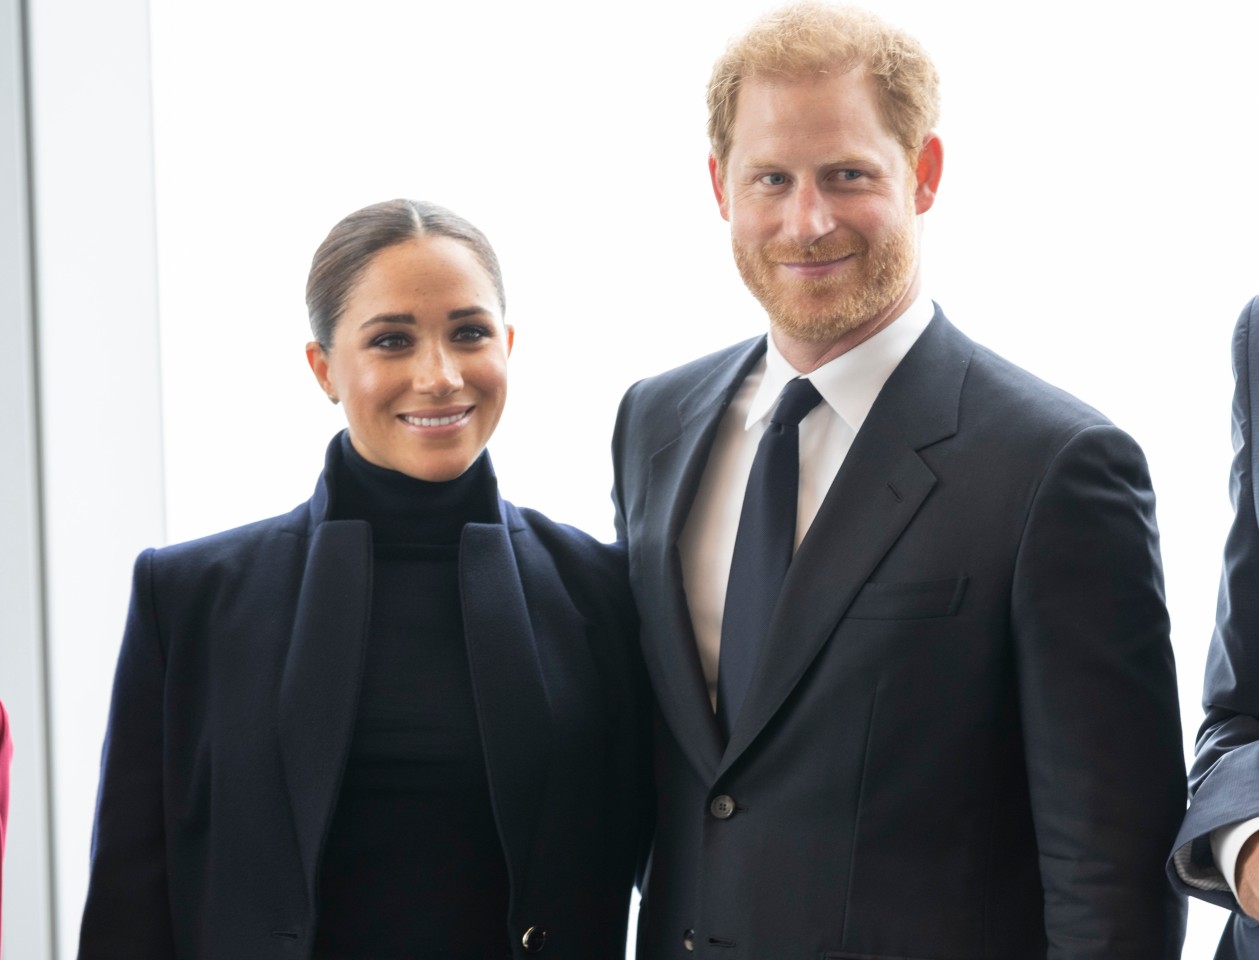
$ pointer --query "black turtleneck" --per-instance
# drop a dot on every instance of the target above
(413, 866)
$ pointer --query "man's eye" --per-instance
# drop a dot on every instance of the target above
(849, 174)
(774, 179)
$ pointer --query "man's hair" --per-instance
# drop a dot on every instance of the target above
(810, 38)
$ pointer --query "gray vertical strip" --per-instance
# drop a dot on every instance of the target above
(36, 471)
(29, 921)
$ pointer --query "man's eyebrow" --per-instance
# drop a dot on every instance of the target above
(849, 160)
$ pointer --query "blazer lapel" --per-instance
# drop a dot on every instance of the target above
(508, 683)
(878, 490)
(674, 473)
(323, 669)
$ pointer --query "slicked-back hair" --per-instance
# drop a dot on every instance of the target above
(810, 38)
(351, 244)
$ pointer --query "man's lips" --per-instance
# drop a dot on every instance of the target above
(437, 418)
(814, 268)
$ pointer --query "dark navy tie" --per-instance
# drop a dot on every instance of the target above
(762, 548)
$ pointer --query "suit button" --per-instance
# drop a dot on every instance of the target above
(688, 939)
(722, 807)
(534, 940)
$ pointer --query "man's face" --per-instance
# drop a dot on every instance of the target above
(822, 202)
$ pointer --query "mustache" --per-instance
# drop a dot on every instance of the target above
(820, 251)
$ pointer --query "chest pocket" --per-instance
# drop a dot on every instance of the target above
(917, 600)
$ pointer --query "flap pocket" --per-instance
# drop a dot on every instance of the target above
(908, 601)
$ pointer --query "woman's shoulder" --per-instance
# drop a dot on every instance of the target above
(592, 570)
(264, 547)
(567, 542)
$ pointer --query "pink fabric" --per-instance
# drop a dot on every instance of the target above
(6, 754)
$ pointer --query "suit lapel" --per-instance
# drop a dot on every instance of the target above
(1244, 420)
(673, 479)
(878, 490)
(323, 670)
(508, 684)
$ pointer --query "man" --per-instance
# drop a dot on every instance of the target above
(1216, 855)
(953, 730)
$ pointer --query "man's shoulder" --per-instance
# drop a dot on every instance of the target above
(679, 381)
(1024, 397)
(1005, 390)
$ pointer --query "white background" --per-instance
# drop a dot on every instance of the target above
(1095, 224)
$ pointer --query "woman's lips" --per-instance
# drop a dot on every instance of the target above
(437, 418)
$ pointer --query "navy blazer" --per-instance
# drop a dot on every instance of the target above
(234, 704)
(1224, 779)
(962, 739)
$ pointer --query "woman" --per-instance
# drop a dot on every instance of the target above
(403, 720)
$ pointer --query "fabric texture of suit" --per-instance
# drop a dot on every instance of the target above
(1224, 778)
(962, 739)
(234, 704)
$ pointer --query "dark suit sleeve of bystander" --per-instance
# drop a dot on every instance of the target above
(1098, 703)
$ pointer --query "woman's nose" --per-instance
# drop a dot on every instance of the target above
(436, 372)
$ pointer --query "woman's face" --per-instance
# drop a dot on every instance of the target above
(419, 359)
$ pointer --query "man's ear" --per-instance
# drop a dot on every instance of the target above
(719, 186)
(930, 166)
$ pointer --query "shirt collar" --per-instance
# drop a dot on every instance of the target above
(851, 382)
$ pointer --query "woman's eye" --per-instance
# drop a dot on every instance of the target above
(471, 333)
(391, 341)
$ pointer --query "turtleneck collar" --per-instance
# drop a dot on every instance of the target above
(404, 510)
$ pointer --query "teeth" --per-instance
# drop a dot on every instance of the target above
(434, 421)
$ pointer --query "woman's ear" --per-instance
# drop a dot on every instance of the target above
(317, 357)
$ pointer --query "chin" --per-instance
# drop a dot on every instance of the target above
(438, 470)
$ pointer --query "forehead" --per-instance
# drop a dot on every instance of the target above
(427, 268)
(826, 111)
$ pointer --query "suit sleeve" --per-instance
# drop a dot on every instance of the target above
(127, 915)
(1224, 779)
(1098, 704)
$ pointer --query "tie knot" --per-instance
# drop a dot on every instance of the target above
(797, 399)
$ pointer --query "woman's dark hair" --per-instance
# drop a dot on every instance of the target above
(351, 244)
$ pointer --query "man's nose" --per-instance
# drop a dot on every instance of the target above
(809, 217)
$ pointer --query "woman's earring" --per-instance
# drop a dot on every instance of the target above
(333, 399)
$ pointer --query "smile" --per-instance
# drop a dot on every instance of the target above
(815, 269)
(438, 421)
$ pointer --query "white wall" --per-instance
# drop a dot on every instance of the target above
(23, 687)
(1095, 224)
(99, 398)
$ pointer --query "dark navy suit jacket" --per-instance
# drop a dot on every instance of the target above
(233, 708)
(1224, 779)
(962, 739)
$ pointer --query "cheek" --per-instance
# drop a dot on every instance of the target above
(489, 376)
(364, 385)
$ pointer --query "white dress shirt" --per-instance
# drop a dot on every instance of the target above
(1226, 846)
(849, 385)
